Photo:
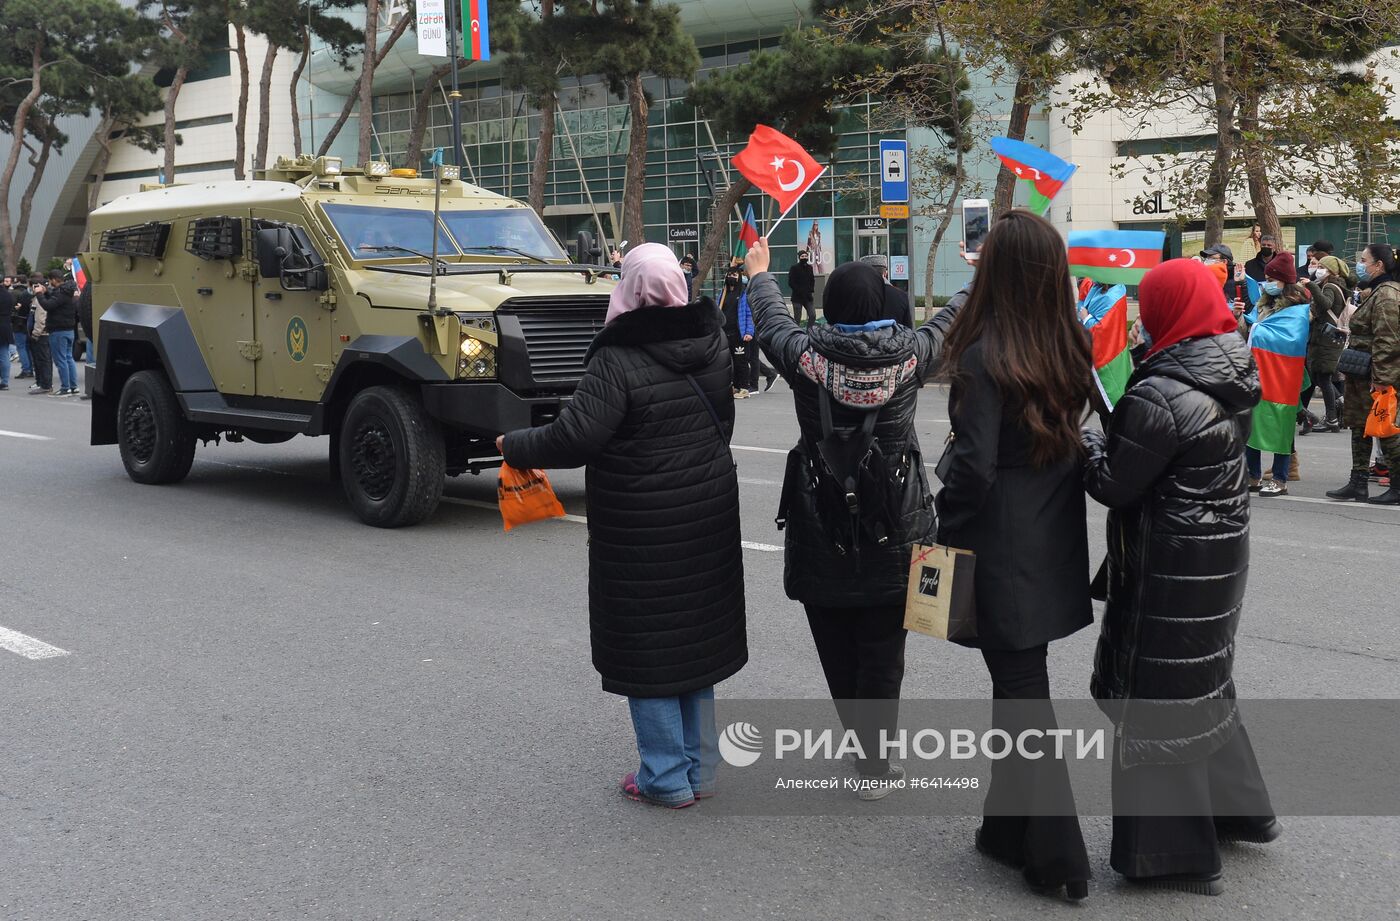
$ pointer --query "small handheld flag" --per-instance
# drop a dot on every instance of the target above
(1114, 257)
(79, 274)
(1045, 172)
(1113, 362)
(748, 234)
(1280, 346)
(779, 166)
(476, 30)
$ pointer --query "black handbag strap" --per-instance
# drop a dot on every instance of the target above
(709, 407)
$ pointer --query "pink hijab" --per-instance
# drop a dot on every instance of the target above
(651, 277)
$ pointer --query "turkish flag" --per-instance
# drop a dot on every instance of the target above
(778, 165)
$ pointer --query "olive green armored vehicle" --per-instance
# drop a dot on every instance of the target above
(305, 302)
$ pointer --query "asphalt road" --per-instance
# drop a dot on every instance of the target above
(269, 710)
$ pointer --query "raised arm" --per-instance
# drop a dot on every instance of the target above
(1141, 442)
(930, 337)
(584, 426)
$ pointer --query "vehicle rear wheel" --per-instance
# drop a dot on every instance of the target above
(157, 446)
(392, 459)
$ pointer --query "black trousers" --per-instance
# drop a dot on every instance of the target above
(802, 306)
(1029, 815)
(1223, 790)
(748, 364)
(862, 654)
(41, 357)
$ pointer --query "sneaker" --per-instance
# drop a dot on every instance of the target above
(768, 385)
(1253, 485)
(1273, 488)
(36, 390)
(4, 386)
(1195, 883)
(23, 374)
(881, 786)
(741, 394)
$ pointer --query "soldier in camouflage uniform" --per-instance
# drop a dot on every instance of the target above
(1375, 328)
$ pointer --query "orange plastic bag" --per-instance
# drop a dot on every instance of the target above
(526, 496)
(1381, 422)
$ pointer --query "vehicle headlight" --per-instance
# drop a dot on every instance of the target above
(476, 360)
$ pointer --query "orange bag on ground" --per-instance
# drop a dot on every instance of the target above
(526, 496)
(1381, 422)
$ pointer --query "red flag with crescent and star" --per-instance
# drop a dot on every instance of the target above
(778, 165)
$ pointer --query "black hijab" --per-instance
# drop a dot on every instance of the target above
(855, 295)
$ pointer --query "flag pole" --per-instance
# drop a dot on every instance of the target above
(437, 210)
(774, 226)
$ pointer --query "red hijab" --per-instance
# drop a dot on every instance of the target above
(1179, 300)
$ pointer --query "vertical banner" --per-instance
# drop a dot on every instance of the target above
(476, 31)
(432, 28)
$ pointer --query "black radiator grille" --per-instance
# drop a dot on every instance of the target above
(558, 332)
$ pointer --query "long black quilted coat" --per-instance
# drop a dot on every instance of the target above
(665, 570)
(1172, 472)
(815, 571)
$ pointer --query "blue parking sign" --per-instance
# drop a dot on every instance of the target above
(894, 172)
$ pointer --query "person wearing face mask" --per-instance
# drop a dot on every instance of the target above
(802, 282)
(1280, 290)
(1254, 268)
(1374, 329)
(1331, 307)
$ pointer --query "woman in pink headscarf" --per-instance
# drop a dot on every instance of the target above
(651, 422)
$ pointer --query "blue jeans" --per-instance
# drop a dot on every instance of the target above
(61, 345)
(22, 346)
(678, 745)
(5, 365)
(1254, 460)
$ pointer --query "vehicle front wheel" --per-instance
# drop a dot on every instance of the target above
(392, 458)
(156, 444)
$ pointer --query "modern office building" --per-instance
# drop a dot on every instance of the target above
(686, 159)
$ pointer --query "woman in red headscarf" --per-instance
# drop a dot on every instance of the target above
(1171, 469)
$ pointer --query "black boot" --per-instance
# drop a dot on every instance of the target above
(1355, 488)
(1390, 497)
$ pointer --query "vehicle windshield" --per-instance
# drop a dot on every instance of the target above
(371, 232)
(504, 230)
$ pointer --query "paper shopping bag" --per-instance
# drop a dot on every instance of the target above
(940, 601)
(1381, 423)
(526, 496)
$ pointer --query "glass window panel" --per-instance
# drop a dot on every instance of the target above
(491, 154)
(490, 131)
(361, 227)
(681, 136)
(490, 109)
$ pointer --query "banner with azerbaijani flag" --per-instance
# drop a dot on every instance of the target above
(476, 30)
(1115, 257)
(1280, 346)
(1045, 173)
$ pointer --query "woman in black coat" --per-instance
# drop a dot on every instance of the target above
(1172, 471)
(851, 572)
(651, 420)
(1020, 365)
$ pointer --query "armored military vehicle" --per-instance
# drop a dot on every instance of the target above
(305, 302)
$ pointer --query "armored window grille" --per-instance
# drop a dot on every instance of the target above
(140, 240)
(215, 238)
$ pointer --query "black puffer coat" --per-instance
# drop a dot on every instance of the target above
(815, 570)
(665, 570)
(1172, 471)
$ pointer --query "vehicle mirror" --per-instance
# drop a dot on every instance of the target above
(272, 246)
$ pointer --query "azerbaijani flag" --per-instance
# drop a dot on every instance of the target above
(1114, 257)
(476, 38)
(79, 274)
(1045, 172)
(748, 234)
(1280, 347)
(1113, 363)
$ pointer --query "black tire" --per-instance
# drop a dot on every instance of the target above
(392, 458)
(157, 446)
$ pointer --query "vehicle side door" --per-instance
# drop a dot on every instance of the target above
(220, 308)
(293, 323)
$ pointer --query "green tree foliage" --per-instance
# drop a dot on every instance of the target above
(624, 41)
(53, 53)
(190, 30)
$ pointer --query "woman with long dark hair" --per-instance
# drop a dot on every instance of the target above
(1021, 365)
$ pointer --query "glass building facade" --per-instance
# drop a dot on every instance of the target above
(500, 131)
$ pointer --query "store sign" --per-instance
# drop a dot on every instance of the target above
(1153, 204)
(899, 268)
(683, 234)
(894, 212)
(870, 223)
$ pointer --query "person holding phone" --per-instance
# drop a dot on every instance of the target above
(977, 219)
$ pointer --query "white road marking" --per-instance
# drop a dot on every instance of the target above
(750, 481)
(579, 519)
(762, 450)
(25, 435)
(27, 646)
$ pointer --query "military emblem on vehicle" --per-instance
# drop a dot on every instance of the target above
(296, 338)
